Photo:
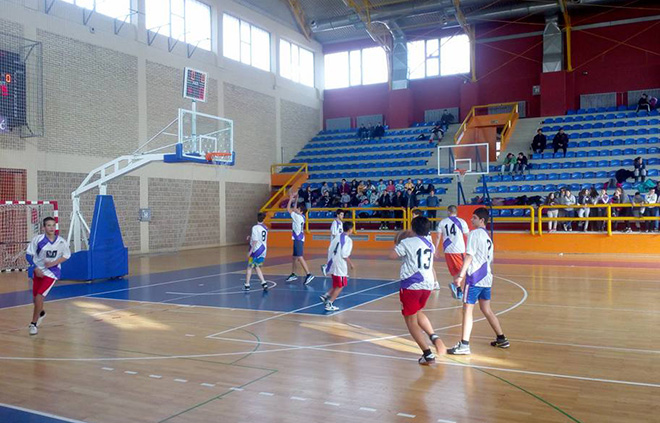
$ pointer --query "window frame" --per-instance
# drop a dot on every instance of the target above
(299, 79)
(429, 58)
(356, 74)
(202, 44)
(241, 42)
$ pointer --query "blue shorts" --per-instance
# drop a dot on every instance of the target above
(474, 293)
(256, 261)
(298, 248)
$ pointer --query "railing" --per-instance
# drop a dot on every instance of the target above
(531, 218)
(608, 218)
(303, 168)
(508, 127)
(351, 215)
(473, 112)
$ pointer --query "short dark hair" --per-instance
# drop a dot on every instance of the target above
(48, 219)
(539, 130)
(452, 209)
(339, 211)
(482, 213)
(347, 226)
(302, 208)
(421, 226)
(261, 217)
(418, 212)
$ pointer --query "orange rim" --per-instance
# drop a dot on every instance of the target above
(210, 156)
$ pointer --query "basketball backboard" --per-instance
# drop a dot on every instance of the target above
(473, 158)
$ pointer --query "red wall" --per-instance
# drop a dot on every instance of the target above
(507, 70)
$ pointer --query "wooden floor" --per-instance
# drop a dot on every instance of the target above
(585, 347)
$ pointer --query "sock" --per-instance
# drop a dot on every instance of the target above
(464, 342)
(43, 313)
(458, 289)
(33, 323)
(433, 337)
(427, 353)
(501, 337)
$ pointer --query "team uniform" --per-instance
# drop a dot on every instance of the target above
(451, 229)
(298, 234)
(43, 250)
(417, 279)
(258, 243)
(340, 249)
(479, 278)
(336, 229)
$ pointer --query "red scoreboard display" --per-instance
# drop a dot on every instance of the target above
(194, 84)
(12, 91)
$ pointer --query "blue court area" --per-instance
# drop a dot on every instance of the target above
(10, 413)
(219, 286)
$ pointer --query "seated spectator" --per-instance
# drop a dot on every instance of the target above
(409, 185)
(345, 200)
(560, 141)
(437, 133)
(399, 186)
(325, 188)
(419, 188)
(653, 102)
(509, 163)
(379, 131)
(325, 201)
(422, 137)
(361, 188)
(568, 200)
(445, 120)
(391, 188)
(370, 185)
(643, 103)
(344, 188)
(521, 163)
(640, 169)
(362, 132)
(373, 197)
(381, 187)
(539, 142)
(583, 200)
(551, 200)
(651, 197)
(354, 184)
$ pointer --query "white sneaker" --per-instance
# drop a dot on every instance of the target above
(33, 329)
(292, 277)
(324, 270)
(426, 360)
(330, 307)
(324, 298)
(459, 349)
(41, 318)
(246, 287)
(308, 279)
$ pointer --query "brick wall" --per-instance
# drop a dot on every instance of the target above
(11, 140)
(299, 124)
(90, 101)
(254, 119)
(243, 202)
(126, 195)
(183, 213)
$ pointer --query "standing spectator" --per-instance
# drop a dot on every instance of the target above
(643, 103)
(539, 142)
(445, 120)
(584, 199)
(560, 141)
(603, 198)
(509, 163)
(411, 198)
(398, 201)
(652, 198)
(637, 200)
(384, 201)
(568, 200)
(640, 169)
(419, 188)
(617, 198)
(551, 200)
(521, 163)
(432, 201)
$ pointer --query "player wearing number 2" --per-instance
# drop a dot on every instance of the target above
(478, 283)
(338, 255)
(417, 282)
(257, 253)
(451, 230)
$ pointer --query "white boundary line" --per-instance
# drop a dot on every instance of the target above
(40, 413)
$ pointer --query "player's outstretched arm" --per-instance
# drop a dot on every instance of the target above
(291, 198)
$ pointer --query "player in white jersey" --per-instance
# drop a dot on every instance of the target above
(451, 231)
(416, 284)
(46, 253)
(257, 253)
(336, 228)
(478, 282)
(417, 213)
(298, 235)
(339, 255)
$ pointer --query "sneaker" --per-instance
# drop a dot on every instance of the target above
(437, 285)
(292, 277)
(324, 298)
(500, 343)
(459, 349)
(308, 279)
(425, 360)
(246, 287)
(454, 291)
(324, 270)
(264, 286)
(33, 329)
(628, 230)
(41, 318)
(459, 292)
(330, 307)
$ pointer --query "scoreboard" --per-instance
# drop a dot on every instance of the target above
(12, 91)
(194, 84)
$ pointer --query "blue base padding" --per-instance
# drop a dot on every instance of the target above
(107, 256)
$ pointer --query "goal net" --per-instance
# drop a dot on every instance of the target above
(20, 221)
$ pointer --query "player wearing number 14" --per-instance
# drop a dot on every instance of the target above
(451, 231)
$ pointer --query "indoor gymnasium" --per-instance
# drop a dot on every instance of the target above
(329, 211)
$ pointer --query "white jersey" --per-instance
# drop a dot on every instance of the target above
(451, 229)
(43, 250)
(480, 247)
(336, 228)
(340, 249)
(259, 241)
(298, 227)
(417, 265)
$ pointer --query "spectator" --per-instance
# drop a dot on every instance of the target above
(437, 133)
(382, 187)
(324, 188)
(568, 200)
(379, 131)
(344, 188)
(362, 132)
(584, 199)
(621, 176)
(409, 185)
(398, 201)
(551, 200)
(390, 187)
(419, 188)
(617, 198)
(345, 200)
(361, 188)
(422, 137)
(560, 141)
(653, 102)
(373, 197)
(445, 120)
(399, 186)
(637, 200)
(603, 198)
(385, 201)
(325, 201)
(539, 142)
(411, 198)
(370, 185)
(640, 169)
(643, 103)
(430, 187)
(354, 185)
(651, 198)
(432, 201)
(521, 163)
(509, 163)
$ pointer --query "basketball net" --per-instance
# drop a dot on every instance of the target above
(460, 175)
(220, 161)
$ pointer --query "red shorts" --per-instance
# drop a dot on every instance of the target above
(42, 285)
(339, 281)
(413, 300)
(454, 263)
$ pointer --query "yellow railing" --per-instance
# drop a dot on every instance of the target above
(473, 111)
(607, 218)
(531, 218)
(303, 168)
(351, 216)
(508, 127)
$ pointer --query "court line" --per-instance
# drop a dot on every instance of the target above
(628, 310)
(40, 413)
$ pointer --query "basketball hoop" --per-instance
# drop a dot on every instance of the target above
(460, 174)
(219, 159)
